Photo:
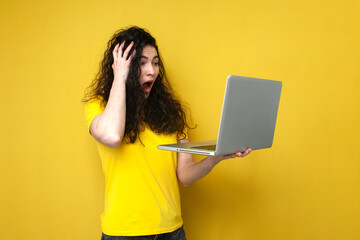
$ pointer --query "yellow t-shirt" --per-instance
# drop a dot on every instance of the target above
(141, 188)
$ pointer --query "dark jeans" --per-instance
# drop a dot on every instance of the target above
(178, 234)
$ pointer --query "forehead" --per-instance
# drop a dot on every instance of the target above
(149, 50)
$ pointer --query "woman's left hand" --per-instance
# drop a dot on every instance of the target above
(238, 154)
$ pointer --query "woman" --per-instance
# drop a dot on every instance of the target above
(131, 109)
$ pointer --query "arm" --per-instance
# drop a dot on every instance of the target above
(189, 171)
(108, 127)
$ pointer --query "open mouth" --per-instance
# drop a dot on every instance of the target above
(147, 86)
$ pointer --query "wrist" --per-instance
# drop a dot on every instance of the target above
(214, 161)
(120, 79)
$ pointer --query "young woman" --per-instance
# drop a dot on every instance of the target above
(131, 109)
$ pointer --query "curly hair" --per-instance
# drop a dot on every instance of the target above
(161, 110)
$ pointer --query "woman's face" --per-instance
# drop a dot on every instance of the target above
(149, 68)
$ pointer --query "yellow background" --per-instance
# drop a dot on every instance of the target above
(307, 186)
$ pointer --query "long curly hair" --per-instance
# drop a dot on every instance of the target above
(161, 110)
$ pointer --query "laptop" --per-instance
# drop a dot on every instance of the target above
(248, 118)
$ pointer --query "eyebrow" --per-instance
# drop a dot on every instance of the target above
(148, 58)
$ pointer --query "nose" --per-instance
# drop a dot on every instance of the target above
(150, 69)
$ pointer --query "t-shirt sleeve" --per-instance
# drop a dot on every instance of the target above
(92, 109)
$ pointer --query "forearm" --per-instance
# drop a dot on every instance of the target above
(109, 126)
(196, 170)
(189, 171)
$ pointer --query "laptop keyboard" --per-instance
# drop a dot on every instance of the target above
(207, 147)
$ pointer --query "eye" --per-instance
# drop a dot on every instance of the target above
(142, 63)
(156, 63)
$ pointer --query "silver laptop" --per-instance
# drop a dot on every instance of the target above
(247, 120)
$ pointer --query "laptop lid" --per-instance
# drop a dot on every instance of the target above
(249, 114)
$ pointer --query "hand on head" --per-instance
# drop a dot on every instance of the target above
(122, 60)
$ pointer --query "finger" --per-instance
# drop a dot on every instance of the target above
(117, 47)
(115, 51)
(132, 55)
(247, 152)
(120, 51)
(127, 50)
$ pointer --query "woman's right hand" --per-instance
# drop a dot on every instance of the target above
(122, 62)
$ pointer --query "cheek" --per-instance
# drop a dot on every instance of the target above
(141, 76)
(157, 72)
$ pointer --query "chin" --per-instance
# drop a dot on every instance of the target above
(147, 94)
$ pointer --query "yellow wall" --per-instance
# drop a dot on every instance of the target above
(307, 186)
